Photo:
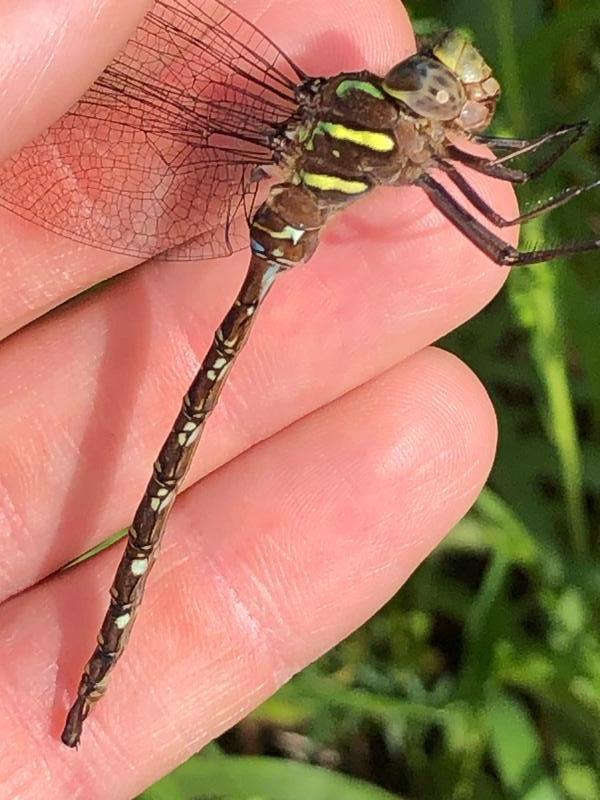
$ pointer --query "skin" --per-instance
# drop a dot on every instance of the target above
(342, 452)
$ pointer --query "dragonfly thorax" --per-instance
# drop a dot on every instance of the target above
(342, 143)
(357, 130)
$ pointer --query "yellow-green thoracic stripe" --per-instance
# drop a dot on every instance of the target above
(373, 140)
(332, 183)
(359, 86)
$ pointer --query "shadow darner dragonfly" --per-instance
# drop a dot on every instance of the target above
(201, 135)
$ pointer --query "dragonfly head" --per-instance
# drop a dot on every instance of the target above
(446, 81)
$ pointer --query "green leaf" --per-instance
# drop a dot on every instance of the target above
(580, 782)
(517, 751)
(494, 524)
(259, 778)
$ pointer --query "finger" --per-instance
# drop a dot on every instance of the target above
(269, 562)
(88, 394)
(47, 62)
(56, 51)
(40, 269)
(80, 432)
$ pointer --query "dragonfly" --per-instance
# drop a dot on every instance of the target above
(202, 137)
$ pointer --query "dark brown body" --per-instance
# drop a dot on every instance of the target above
(348, 135)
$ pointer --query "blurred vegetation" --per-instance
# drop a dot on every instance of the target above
(481, 679)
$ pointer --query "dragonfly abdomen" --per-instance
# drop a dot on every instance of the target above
(285, 228)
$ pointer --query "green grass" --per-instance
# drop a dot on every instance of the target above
(481, 679)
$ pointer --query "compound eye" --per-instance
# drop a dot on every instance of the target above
(427, 87)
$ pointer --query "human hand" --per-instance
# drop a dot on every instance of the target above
(345, 447)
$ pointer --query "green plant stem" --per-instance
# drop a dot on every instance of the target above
(480, 631)
(537, 307)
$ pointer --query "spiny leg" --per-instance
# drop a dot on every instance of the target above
(480, 204)
(495, 248)
(573, 131)
(566, 136)
(486, 166)
(169, 471)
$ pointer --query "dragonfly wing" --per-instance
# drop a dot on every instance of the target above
(161, 149)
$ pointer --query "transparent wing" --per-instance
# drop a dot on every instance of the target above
(161, 152)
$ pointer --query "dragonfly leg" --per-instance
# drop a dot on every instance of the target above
(487, 166)
(480, 204)
(495, 248)
(564, 137)
(168, 474)
(572, 131)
